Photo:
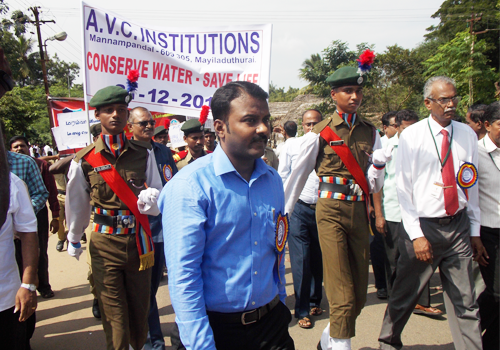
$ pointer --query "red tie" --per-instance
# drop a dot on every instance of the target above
(448, 173)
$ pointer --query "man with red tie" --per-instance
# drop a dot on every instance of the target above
(436, 173)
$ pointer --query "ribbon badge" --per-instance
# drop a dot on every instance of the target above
(167, 172)
(467, 175)
(282, 227)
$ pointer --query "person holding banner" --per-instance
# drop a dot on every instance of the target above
(227, 293)
(341, 150)
(117, 180)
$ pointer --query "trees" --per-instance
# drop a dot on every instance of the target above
(454, 59)
(24, 109)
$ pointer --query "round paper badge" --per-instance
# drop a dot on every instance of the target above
(282, 226)
(467, 175)
(167, 172)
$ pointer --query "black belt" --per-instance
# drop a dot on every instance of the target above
(326, 186)
(61, 192)
(247, 317)
(312, 206)
(444, 220)
(119, 221)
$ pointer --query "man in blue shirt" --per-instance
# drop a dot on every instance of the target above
(142, 125)
(226, 282)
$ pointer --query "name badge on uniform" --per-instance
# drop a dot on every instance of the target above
(102, 168)
(466, 175)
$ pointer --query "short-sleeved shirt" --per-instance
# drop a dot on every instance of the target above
(20, 218)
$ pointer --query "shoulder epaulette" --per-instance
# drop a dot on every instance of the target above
(180, 155)
(81, 153)
(321, 125)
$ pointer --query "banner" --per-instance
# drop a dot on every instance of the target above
(180, 68)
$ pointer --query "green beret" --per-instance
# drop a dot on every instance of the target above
(191, 126)
(95, 129)
(346, 76)
(160, 130)
(110, 95)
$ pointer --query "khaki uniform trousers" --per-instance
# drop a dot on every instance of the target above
(63, 229)
(122, 290)
(344, 239)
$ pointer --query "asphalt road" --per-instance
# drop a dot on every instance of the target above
(66, 321)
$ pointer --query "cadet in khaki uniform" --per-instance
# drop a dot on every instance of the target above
(120, 247)
(193, 136)
(341, 210)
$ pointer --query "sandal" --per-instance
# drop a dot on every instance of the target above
(46, 294)
(316, 311)
(427, 311)
(305, 322)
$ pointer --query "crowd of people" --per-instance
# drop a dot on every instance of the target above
(220, 213)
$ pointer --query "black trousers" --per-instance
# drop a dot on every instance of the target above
(12, 332)
(489, 299)
(394, 231)
(377, 256)
(43, 240)
(269, 333)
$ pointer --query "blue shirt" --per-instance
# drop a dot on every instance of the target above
(167, 168)
(221, 251)
(26, 169)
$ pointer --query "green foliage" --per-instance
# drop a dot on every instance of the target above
(454, 59)
(453, 15)
(24, 109)
(277, 94)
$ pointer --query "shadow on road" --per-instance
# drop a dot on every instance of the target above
(449, 346)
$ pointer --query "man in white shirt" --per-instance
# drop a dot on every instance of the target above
(289, 132)
(440, 216)
(305, 252)
(489, 202)
(390, 127)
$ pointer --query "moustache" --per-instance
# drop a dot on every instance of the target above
(450, 109)
(259, 138)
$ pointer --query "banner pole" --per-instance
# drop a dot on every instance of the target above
(85, 98)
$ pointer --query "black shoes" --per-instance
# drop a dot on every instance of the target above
(95, 309)
(60, 246)
(382, 293)
(84, 238)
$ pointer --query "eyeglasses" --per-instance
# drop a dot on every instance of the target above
(145, 123)
(444, 101)
(394, 125)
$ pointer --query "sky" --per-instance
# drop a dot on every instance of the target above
(300, 28)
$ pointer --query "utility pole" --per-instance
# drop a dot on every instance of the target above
(474, 18)
(37, 23)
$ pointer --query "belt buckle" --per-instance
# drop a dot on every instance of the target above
(125, 221)
(243, 317)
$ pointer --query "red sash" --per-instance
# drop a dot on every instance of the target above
(145, 245)
(347, 158)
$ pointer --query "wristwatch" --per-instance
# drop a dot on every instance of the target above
(30, 287)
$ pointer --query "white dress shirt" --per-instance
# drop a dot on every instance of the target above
(306, 162)
(78, 195)
(489, 185)
(418, 173)
(20, 218)
(288, 161)
(282, 146)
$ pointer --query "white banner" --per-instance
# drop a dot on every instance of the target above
(180, 68)
(72, 131)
